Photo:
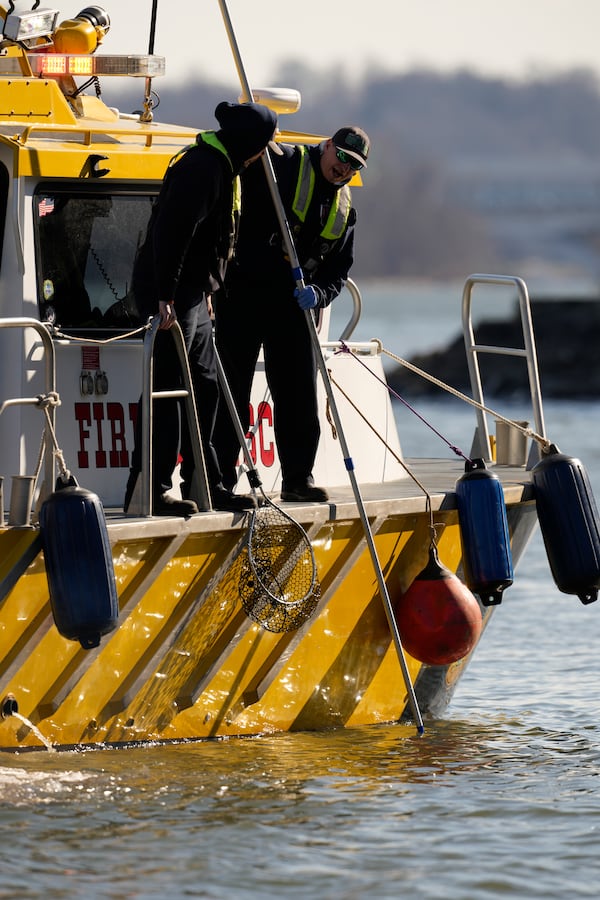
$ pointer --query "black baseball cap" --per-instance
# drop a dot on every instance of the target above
(353, 141)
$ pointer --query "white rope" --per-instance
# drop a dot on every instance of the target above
(528, 432)
(110, 340)
(45, 401)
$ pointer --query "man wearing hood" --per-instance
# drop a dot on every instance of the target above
(190, 238)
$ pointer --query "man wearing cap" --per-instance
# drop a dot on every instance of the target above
(190, 238)
(260, 306)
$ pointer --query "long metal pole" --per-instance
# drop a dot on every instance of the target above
(253, 476)
(299, 279)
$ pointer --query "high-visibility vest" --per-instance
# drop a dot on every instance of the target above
(210, 138)
(337, 219)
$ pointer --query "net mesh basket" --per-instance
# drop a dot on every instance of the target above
(278, 585)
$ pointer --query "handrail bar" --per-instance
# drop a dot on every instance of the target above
(145, 132)
(49, 387)
(503, 351)
(200, 492)
(482, 439)
(348, 330)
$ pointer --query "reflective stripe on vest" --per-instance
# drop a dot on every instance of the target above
(210, 138)
(337, 219)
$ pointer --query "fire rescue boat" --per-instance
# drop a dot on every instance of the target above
(119, 630)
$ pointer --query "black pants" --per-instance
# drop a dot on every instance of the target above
(245, 319)
(170, 434)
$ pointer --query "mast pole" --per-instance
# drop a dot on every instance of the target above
(146, 115)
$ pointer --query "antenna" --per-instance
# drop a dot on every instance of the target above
(146, 115)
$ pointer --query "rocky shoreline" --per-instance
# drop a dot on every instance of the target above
(567, 336)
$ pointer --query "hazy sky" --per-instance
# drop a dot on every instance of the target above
(503, 37)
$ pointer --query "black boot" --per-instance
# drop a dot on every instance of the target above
(165, 505)
(224, 499)
(303, 491)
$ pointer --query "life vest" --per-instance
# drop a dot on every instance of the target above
(337, 219)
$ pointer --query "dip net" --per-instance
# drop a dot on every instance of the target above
(278, 586)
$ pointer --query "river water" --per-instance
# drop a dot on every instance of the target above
(501, 798)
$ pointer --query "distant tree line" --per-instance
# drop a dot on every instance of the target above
(420, 123)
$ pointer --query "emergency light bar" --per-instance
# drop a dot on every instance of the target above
(144, 66)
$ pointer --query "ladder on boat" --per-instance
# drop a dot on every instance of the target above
(481, 442)
(141, 501)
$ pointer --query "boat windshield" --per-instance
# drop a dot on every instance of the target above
(86, 244)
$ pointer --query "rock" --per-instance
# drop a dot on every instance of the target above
(567, 336)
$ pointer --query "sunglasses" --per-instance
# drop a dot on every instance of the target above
(348, 160)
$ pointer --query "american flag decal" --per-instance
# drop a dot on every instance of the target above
(46, 206)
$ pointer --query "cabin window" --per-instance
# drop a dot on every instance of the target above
(86, 245)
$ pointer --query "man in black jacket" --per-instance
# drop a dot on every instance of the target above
(260, 306)
(189, 241)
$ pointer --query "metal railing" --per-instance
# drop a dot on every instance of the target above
(49, 388)
(354, 292)
(481, 443)
(141, 501)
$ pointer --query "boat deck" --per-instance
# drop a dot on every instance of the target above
(401, 497)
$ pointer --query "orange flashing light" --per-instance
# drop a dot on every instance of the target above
(59, 64)
(48, 64)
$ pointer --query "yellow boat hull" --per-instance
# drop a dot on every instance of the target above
(186, 663)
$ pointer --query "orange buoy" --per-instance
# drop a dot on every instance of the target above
(439, 619)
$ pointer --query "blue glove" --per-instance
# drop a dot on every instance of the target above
(307, 297)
